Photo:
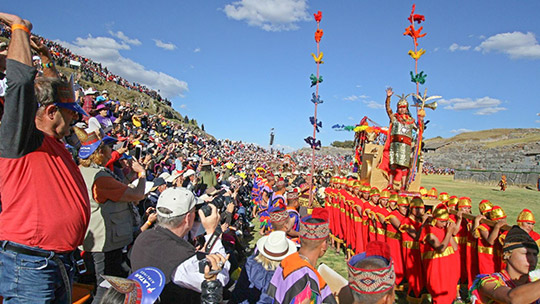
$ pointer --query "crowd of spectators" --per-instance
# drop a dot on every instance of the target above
(129, 189)
(429, 168)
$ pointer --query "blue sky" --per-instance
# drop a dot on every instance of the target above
(242, 67)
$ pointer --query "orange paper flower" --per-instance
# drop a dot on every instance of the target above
(318, 35)
(318, 16)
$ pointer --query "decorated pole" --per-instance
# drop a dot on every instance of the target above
(315, 80)
(418, 79)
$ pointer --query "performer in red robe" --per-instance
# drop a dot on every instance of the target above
(410, 228)
(463, 238)
(393, 236)
(438, 248)
(358, 207)
(329, 198)
(365, 211)
(374, 196)
(489, 248)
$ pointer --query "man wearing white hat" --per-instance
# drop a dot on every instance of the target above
(166, 248)
(255, 277)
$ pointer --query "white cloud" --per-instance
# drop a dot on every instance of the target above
(183, 106)
(197, 50)
(537, 121)
(456, 47)
(350, 118)
(351, 98)
(269, 15)
(120, 35)
(373, 104)
(460, 131)
(285, 148)
(436, 49)
(516, 45)
(107, 51)
(358, 85)
(484, 106)
(165, 46)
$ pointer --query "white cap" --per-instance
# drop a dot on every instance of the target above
(178, 200)
(188, 173)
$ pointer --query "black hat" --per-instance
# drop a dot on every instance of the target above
(517, 238)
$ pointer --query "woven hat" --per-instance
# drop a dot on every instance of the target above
(315, 231)
(276, 246)
(142, 287)
(372, 281)
(278, 214)
(526, 216)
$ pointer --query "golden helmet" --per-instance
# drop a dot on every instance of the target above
(423, 191)
(485, 206)
(357, 184)
(441, 213)
(464, 202)
(350, 182)
(385, 194)
(443, 197)
(403, 200)
(432, 193)
(394, 198)
(416, 202)
(365, 188)
(402, 103)
(497, 213)
(452, 201)
(374, 191)
(526, 216)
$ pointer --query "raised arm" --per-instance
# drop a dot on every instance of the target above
(49, 69)
(389, 94)
(19, 47)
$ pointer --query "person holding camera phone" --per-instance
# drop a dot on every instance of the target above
(166, 247)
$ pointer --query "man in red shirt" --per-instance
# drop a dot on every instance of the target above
(44, 199)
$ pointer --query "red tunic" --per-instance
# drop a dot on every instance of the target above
(461, 239)
(472, 256)
(393, 239)
(489, 256)
(358, 225)
(372, 232)
(342, 222)
(413, 271)
(330, 207)
(438, 267)
(349, 218)
(365, 221)
(381, 227)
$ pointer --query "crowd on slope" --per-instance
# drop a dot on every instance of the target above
(139, 194)
(90, 70)
(429, 168)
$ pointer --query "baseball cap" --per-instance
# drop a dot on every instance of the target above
(158, 182)
(178, 200)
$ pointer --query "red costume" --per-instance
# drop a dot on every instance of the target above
(438, 267)
(489, 256)
(393, 239)
(414, 271)
(358, 225)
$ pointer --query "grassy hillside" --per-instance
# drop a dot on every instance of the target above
(493, 137)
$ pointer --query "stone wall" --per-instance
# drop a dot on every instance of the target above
(493, 177)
